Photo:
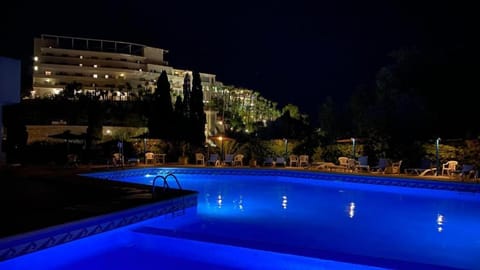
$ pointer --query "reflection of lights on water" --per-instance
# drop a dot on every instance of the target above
(351, 210)
(440, 219)
(440, 222)
(240, 203)
(219, 200)
(284, 202)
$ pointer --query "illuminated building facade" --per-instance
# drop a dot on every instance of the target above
(112, 70)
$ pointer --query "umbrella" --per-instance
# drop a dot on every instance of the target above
(68, 136)
(353, 141)
(221, 139)
(144, 137)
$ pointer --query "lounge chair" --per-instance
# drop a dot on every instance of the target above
(268, 161)
(468, 171)
(280, 161)
(228, 159)
(362, 164)
(425, 165)
(213, 160)
(382, 165)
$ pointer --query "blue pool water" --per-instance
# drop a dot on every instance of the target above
(283, 222)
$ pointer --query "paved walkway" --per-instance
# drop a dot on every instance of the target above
(35, 197)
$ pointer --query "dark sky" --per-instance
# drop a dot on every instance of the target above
(295, 52)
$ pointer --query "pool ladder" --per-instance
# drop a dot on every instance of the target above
(176, 212)
(165, 182)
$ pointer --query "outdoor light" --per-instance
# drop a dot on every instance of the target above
(35, 68)
(35, 58)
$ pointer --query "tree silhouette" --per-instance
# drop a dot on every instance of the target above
(161, 120)
(197, 113)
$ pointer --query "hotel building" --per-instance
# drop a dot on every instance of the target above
(122, 70)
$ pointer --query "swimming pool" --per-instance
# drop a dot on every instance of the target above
(280, 219)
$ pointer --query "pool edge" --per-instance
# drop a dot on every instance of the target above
(21, 244)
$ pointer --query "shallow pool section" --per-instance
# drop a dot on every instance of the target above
(282, 219)
(126, 249)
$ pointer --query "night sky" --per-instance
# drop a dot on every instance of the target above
(295, 52)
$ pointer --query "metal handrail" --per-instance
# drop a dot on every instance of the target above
(165, 182)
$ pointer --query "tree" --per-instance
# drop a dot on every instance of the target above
(161, 121)
(197, 113)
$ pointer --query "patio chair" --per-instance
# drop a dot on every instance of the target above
(72, 161)
(396, 166)
(199, 159)
(303, 161)
(213, 160)
(117, 159)
(343, 162)
(228, 159)
(238, 160)
(149, 157)
(449, 167)
(293, 160)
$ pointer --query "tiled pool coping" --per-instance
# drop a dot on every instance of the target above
(377, 179)
(22, 244)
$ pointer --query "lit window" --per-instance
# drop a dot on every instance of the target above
(35, 68)
(95, 76)
(95, 66)
(47, 80)
(106, 76)
(122, 75)
(48, 73)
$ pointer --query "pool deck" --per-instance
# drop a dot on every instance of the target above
(37, 197)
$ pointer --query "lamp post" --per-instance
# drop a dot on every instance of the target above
(437, 148)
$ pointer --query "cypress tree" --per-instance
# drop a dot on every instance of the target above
(161, 118)
(197, 113)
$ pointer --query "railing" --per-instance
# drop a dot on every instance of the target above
(165, 182)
